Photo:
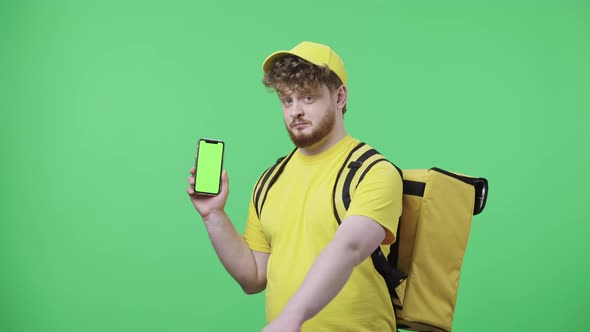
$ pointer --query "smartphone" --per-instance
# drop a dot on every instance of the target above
(209, 163)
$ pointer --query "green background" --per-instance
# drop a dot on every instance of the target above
(102, 103)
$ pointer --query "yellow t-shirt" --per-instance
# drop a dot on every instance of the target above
(298, 221)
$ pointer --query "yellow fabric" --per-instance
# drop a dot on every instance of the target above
(433, 238)
(298, 221)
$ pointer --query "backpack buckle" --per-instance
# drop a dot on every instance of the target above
(355, 164)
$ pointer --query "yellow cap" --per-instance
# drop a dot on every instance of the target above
(315, 53)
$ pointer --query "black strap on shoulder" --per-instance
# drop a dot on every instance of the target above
(267, 180)
(387, 268)
(354, 167)
(369, 167)
(338, 220)
(259, 185)
(283, 162)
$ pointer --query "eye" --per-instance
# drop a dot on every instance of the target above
(286, 101)
(308, 99)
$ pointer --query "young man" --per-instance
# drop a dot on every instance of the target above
(318, 275)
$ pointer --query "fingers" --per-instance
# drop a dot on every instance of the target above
(190, 191)
(191, 181)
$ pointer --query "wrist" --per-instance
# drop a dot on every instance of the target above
(214, 216)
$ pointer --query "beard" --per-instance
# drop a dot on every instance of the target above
(318, 133)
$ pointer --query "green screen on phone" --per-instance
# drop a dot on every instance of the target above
(209, 164)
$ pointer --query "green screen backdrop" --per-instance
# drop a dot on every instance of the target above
(102, 104)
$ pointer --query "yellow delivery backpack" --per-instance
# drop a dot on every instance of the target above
(423, 266)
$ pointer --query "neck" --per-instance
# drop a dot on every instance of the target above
(329, 141)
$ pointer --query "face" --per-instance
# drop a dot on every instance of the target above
(310, 116)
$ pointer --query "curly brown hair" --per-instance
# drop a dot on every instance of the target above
(293, 73)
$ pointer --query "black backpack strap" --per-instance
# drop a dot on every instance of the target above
(347, 180)
(363, 159)
(354, 167)
(392, 276)
(268, 178)
(339, 211)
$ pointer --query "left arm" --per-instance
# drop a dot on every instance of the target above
(355, 240)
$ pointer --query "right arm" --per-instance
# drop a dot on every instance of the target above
(246, 266)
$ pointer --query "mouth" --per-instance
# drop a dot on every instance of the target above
(299, 125)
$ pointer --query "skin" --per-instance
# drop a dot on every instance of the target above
(305, 115)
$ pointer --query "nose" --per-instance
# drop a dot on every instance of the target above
(296, 109)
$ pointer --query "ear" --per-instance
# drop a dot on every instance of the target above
(341, 96)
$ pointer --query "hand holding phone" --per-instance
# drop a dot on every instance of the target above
(209, 164)
(208, 184)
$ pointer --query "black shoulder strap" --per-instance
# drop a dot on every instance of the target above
(351, 174)
(363, 159)
(337, 191)
(268, 178)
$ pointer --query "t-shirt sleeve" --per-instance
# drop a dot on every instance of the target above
(253, 234)
(379, 197)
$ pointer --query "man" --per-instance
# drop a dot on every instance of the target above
(318, 275)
